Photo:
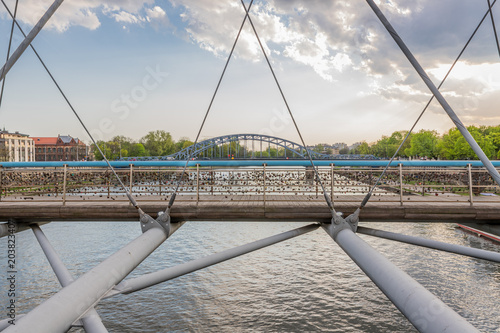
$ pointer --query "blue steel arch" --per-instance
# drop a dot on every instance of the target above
(205, 145)
(194, 151)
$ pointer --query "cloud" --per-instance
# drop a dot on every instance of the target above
(333, 38)
(86, 13)
(330, 36)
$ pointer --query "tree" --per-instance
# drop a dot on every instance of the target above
(105, 148)
(318, 148)
(454, 146)
(183, 143)
(4, 154)
(137, 149)
(158, 143)
(423, 144)
(363, 149)
(493, 134)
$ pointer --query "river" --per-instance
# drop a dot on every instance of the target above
(306, 284)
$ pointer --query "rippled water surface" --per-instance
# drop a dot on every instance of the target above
(306, 284)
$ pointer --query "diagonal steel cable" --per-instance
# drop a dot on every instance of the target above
(8, 52)
(368, 196)
(127, 192)
(494, 26)
(172, 198)
(325, 194)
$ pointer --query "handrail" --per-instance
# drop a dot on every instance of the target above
(250, 162)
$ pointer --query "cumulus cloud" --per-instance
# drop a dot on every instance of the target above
(86, 13)
(332, 36)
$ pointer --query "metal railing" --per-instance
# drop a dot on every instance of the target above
(401, 183)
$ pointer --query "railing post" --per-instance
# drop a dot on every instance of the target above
(1, 181)
(471, 200)
(423, 184)
(56, 184)
(197, 182)
(159, 180)
(332, 182)
(64, 183)
(317, 181)
(109, 184)
(264, 184)
(131, 179)
(401, 184)
(212, 180)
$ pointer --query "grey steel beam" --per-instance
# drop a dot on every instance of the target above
(69, 304)
(19, 226)
(4, 323)
(424, 310)
(437, 94)
(151, 279)
(91, 321)
(29, 38)
(432, 244)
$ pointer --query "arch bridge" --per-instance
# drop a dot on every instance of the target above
(223, 147)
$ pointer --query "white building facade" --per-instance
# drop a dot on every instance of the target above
(16, 147)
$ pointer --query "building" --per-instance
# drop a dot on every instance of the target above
(16, 147)
(60, 148)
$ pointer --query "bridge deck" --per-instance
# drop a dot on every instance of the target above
(253, 207)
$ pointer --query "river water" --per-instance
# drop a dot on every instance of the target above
(306, 284)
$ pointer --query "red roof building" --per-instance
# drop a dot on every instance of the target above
(60, 148)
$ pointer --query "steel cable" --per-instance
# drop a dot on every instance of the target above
(318, 179)
(127, 192)
(8, 51)
(494, 26)
(190, 155)
(368, 196)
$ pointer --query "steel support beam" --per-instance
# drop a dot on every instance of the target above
(91, 321)
(69, 304)
(148, 280)
(424, 310)
(432, 244)
(29, 38)
(4, 323)
(437, 94)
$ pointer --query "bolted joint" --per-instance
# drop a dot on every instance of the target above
(147, 222)
(339, 223)
(163, 222)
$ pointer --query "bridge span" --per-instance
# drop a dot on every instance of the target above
(33, 193)
(245, 208)
(255, 190)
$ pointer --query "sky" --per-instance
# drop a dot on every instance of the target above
(132, 66)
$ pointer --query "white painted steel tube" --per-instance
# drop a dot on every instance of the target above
(27, 41)
(432, 244)
(62, 273)
(62, 309)
(453, 116)
(92, 321)
(152, 279)
(424, 310)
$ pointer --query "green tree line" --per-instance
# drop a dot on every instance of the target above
(429, 144)
(155, 143)
(423, 144)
